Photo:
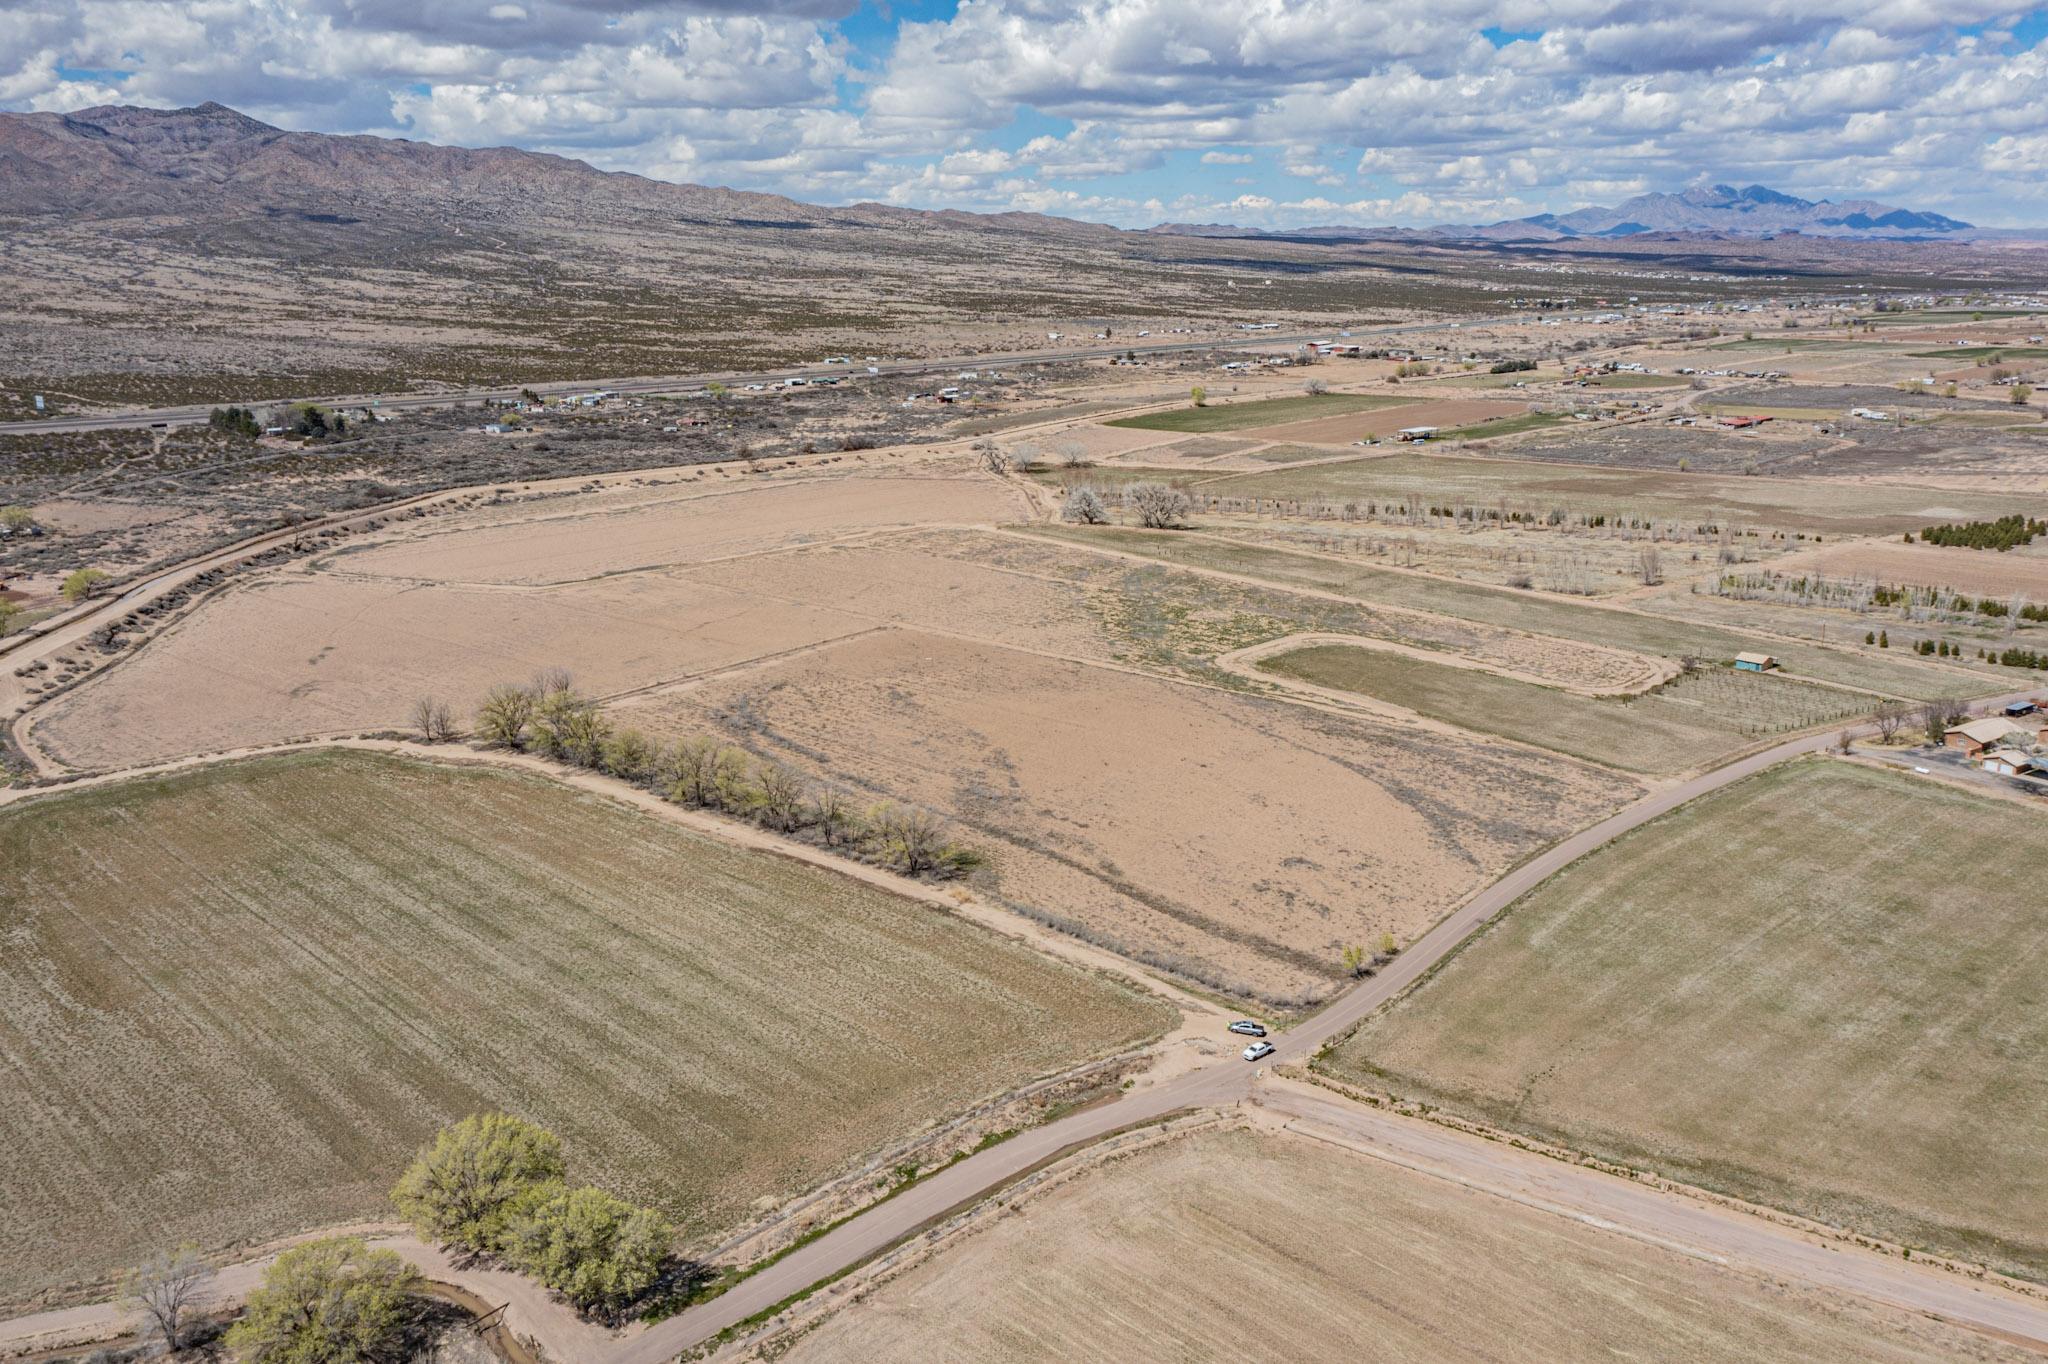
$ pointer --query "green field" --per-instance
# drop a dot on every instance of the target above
(1686, 724)
(1264, 412)
(1636, 381)
(1660, 635)
(1824, 988)
(1812, 505)
(233, 1002)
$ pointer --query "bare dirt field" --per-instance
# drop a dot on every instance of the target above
(1819, 989)
(289, 655)
(1972, 571)
(1373, 425)
(1236, 1246)
(580, 538)
(1237, 841)
(235, 999)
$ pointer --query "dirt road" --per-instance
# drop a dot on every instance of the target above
(1230, 1081)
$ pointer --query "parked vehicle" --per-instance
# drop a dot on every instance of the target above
(1258, 1051)
(1244, 1027)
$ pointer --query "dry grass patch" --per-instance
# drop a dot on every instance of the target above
(1630, 630)
(1977, 572)
(1821, 988)
(1235, 1246)
(1687, 723)
(234, 1000)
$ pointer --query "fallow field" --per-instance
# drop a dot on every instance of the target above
(1822, 989)
(1235, 1246)
(235, 999)
(1238, 841)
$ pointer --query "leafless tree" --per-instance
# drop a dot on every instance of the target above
(993, 457)
(169, 1289)
(834, 817)
(1649, 566)
(434, 719)
(1084, 505)
(690, 772)
(1889, 717)
(1158, 506)
(1072, 453)
(1844, 741)
(548, 681)
(778, 796)
(1026, 456)
(1315, 388)
(912, 841)
(1938, 716)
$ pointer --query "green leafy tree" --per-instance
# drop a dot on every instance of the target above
(1198, 395)
(505, 716)
(1355, 960)
(463, 1187)
(83, 583)
(629, 754)
(329, 1302)
(598, 1251)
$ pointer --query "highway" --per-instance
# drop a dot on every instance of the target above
(194, 413)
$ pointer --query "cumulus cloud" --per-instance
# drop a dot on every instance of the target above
(1124, 109)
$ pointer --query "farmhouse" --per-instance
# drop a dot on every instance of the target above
(1755, 663)
(1978, 736)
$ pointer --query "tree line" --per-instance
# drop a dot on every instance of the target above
(2003, 534)
(548, 717)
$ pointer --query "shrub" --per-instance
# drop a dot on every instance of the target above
(462, 1188)
(329, 1302)
(629, 755)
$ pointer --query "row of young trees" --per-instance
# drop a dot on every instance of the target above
(548, 717)
(496, 1185)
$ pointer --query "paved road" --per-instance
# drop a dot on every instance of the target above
(1222, 1082)
(193, 413)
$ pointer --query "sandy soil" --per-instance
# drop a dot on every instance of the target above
(1893, 562)
(296, 654)
(1386, 421)
(1241, 1246)
(1240, 841)
(687, 525)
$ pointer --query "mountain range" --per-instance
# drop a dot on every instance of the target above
(119, 161)
(1720, 210)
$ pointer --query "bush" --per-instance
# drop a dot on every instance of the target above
(329, 1302)
(16, 519)
(629, 755)
(1158, 506)
(1084, 505)
(596, 1250)
(463, 1188)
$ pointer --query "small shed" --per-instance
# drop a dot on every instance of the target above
(2018, 708)
(1755, 663)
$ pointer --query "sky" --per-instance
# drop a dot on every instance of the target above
(1252, 112)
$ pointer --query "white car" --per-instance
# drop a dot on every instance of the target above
(1258, 1051)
